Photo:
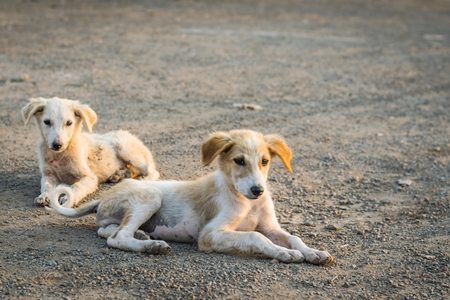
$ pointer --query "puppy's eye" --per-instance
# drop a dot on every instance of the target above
(264, 162)
(47, 122)
(69, 123)
(239, 161)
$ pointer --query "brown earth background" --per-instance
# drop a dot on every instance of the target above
(359, 89)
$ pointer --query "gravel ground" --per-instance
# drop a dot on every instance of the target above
(359, 89)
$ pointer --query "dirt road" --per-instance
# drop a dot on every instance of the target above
(359, 89)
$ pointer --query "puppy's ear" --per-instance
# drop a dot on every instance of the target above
(216, 144)
(86, 113)
(35, 106)
(278, 147)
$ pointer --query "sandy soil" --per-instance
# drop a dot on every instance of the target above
(359, 89)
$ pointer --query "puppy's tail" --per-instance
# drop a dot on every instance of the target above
(65, 209)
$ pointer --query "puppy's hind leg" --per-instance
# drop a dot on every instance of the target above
(133, 152)
(106, 232)
(120, 174)
(143, 204)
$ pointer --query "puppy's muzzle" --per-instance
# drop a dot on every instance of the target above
(257, 190)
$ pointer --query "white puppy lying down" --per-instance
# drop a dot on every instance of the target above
(230, 210)
(69, 156)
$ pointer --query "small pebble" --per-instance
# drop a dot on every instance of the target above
(309, 223)
(331, 281)
(404, 182)
(331, 227)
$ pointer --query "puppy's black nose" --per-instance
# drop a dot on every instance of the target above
(257, 190)
(56, 146)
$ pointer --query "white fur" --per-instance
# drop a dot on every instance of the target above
(220, 210)
(74, 162)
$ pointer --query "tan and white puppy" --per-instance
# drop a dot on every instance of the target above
(230, 210)
(70, 158)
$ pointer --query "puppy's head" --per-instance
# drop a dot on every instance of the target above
(244, 157)
(58, 120)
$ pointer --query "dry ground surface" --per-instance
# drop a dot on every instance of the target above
(359, 89)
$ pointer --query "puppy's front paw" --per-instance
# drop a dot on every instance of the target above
(157, 247)
(42, 200)
(290, 256)
(318, 257)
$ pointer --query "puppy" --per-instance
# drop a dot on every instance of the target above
(230, 210)
(69, 156)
